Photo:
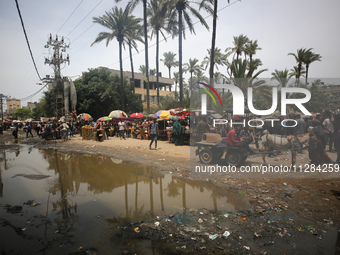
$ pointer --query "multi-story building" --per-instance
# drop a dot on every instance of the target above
(140, 84)
(12, 105)
(30, 105)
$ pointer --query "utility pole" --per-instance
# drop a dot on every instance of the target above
(2, 109)
(56, 60)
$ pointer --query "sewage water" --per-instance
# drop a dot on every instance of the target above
(54, 202)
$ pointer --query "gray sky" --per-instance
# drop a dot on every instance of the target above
(280, 27)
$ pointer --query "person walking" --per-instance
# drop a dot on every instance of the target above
(29, 130)
(121, 125)
(178, 134)
(153, 133)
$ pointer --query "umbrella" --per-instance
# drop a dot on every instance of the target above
(118, 114)
(85, 116)
(136, 115)
(28, 120)
(157, 114)
(164, 115)
(105, 118)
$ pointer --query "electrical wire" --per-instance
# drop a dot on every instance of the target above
(70, 16)
(34, 94)
(28, 44)
(84, 18)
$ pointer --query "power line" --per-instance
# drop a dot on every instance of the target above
(28, 44)
(34, 94)
(70, 16)
(84, 18)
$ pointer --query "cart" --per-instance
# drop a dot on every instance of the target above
(210, 152)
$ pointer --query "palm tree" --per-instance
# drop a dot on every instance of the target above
(142, 69)
(297, 73)
(120, 24)
(244, 76)
(158, 13)
(239, 46)
(219, 59)
(181, 10)
(176, 77)
(299, 58)
(131, 5)
(250, 49)
(282, 77)
(192, 67)
(309, 58)
(169, 61)
(136, 35)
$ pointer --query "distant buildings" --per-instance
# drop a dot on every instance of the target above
(12, 105)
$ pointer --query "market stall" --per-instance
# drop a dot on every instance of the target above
(90, 133)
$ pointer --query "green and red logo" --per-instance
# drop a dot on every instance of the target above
(209, 93)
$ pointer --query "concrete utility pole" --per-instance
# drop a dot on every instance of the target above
(1, 105)
(56, 61)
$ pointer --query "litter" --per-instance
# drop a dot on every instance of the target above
(212, 237)
(226, 234)
(136, 229)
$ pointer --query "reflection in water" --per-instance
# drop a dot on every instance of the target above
(122, 189)
(82, 188)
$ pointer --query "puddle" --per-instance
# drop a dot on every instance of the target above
(69, 199)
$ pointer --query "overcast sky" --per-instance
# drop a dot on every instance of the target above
(280, 27)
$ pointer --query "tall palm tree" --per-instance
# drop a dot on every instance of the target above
(181, 10)
(169, 61)
(192, 67)
(239, 45)
(176, 77)
(299, 58)
(120, 23)
(131, 5)
(157, 12)
(250, 49)
(136, 35)
(282, 77)
(309, 58)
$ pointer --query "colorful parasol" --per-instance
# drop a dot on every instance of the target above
(85, 116)
(137, 115)
(118, 114)
(105, 118)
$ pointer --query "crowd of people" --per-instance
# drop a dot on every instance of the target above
(324, 131)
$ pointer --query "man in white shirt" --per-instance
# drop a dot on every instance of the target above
(121, 125)
(328, 127)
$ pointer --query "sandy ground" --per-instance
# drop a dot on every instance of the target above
(311, 202)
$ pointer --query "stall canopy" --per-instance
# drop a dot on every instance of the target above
(118, 114)
(105, 118)
(137, 115)
(85, 116)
